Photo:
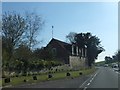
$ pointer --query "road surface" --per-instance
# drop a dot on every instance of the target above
(104, 77)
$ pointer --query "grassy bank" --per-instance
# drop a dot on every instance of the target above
(0, 83)
(58, 75)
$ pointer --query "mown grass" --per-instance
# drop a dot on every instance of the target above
(58, 75)
(0, 82)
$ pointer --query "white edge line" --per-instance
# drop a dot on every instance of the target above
(85, 81)
(88, 84)
(89, 78)
(92, 78)
(85, 88)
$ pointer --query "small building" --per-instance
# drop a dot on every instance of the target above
(68, 53)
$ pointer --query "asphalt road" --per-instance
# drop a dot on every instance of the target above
(63, 83)
(104, 77)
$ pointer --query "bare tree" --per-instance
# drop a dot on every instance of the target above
(13, 27)
(18, 30)
(71, 37)
(34, 26)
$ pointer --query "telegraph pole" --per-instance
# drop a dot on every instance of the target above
(52, 31)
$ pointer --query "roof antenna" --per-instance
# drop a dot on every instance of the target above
(52, 31)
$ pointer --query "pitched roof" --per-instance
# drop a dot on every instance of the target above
(61, 42)
(64, 45)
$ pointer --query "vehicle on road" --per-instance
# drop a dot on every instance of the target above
(106, 65)
(115, 67)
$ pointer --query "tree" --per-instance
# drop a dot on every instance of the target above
(18, 30)
(71, 37)
(22, 52)
(92, 43)
(34, 24)
(43, 53)
(108, 60)
(117, 56)
(13, 27)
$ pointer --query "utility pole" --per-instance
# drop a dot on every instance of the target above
(52, 31)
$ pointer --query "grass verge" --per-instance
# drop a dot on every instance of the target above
(59, 75)
(0, 83)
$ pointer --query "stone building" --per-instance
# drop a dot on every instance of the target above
(68, 53)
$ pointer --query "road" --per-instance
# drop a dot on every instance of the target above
(63, 83)
(104, 77)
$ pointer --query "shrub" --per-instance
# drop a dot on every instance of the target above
(80, 73)
(16, 75)
(24, 75)
(68, 74)
(50, 75)
(24, 80)
(56, 70)
(7, 80)
(34, 77)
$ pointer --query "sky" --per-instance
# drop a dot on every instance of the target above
(99, 18)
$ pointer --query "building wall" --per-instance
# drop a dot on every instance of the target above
(61, 53)
(76, 62)
(68, 55)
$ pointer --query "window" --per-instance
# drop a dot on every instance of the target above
(54, 51)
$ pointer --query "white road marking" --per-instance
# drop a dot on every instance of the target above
(92, 76)
(85, 88)
(95, 75)
(88, 84)
(84, 82)
(91, 80)
(117, 72)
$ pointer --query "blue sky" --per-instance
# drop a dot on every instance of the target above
(99, 18)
